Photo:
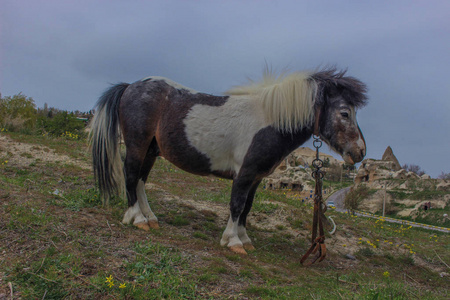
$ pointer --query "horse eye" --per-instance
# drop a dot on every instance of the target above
(344, 114)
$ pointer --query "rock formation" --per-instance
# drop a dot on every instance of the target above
(372, 169)
(398, 190)
(389, 156)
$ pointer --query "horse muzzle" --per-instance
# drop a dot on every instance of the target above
(357, 152)
(355, 156)
(348, 159)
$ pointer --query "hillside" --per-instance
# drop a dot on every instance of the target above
(57, 241)
(403, 194)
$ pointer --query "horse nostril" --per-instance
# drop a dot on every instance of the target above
(363, 152)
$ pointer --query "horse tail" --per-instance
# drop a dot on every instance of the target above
(104, 142)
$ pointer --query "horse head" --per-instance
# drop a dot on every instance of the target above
(336, 114)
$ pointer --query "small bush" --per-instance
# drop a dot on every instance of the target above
(355, 196)
(366, 252)
(62, 124)
(444, 175)
(17, 113)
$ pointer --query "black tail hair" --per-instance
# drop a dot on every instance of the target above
(104, 141)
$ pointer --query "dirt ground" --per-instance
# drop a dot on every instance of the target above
(24, 154)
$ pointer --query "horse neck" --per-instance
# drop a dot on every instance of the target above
(292, 141)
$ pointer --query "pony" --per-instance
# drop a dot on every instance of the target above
(242, 136)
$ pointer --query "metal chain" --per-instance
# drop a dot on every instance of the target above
(318, 174)
(317, 163)
(318, 238)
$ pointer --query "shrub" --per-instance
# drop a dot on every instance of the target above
(444, 175)
(60, 124)
(17, 112)
(334, 172)
(413, 168)
(366, 252)
(355, 196)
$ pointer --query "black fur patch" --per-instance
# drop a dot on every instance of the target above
(159, 107)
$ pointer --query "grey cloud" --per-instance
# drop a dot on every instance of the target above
(65, 53)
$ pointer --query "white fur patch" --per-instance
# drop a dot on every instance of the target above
(224, 133)
(242, 233)
(230, 236)
(143, 202)
(360, 142)
(171, 83)
(134, 214)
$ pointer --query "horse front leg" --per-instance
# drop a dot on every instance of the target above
(235, 229)
(242, 225)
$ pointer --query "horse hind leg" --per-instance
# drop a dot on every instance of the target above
(152, 220)
(133, 163)
(141, 195)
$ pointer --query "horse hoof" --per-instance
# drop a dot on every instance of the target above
(238, 250)
(153, 224)
(143, 226)
(249, 247)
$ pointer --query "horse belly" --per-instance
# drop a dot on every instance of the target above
(175, 148)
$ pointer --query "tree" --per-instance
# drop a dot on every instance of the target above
(333, 172)
(355, 196)
(444, 175)
(413, 168)
(17, 112)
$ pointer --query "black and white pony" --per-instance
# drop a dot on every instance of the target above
(242, 136)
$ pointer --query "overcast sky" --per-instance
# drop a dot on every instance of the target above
(65, 53)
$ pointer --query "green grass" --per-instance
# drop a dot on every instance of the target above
(432, 217)
(68, 246)
(162, 267)
(178, 221)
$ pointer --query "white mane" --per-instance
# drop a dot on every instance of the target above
(287, 100)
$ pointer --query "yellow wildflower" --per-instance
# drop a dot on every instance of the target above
(109, 279)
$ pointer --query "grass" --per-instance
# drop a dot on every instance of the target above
(416, 195)
(432, 217)
(67, 245)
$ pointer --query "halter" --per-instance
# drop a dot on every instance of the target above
(318, 242)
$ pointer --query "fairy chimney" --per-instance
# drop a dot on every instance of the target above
(389, 156)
